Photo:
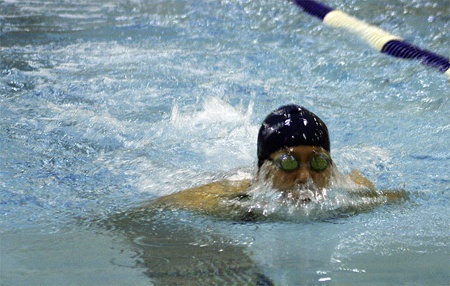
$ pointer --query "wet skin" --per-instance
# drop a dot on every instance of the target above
(301, 185)
(284, 181)
(197, 265)
(222, 199)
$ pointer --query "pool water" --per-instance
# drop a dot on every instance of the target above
(108, 104)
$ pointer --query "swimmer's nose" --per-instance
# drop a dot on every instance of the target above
(303, 175)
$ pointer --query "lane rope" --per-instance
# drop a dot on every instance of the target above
(374, 36)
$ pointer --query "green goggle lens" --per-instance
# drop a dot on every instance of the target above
(288, 163)
(319, 162)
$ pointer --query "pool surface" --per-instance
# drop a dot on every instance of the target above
(108, 104)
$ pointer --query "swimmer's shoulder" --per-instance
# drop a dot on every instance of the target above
(370, 191)
(205, 198)
(358, 178)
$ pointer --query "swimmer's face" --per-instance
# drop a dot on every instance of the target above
(298, 166)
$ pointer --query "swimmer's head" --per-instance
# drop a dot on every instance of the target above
(289, 126)
(294, 144)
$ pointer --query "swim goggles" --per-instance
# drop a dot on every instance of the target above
(287, 162)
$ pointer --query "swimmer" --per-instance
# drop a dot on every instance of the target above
(294, 160)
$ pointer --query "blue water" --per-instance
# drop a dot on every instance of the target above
(107, 104)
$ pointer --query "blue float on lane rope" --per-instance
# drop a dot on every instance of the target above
(376, 37)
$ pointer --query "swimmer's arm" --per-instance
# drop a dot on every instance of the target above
(206, 198)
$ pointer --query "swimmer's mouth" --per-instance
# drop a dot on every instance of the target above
(302, 196)
(304, 193)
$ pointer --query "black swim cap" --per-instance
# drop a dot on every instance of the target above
(289, 126)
